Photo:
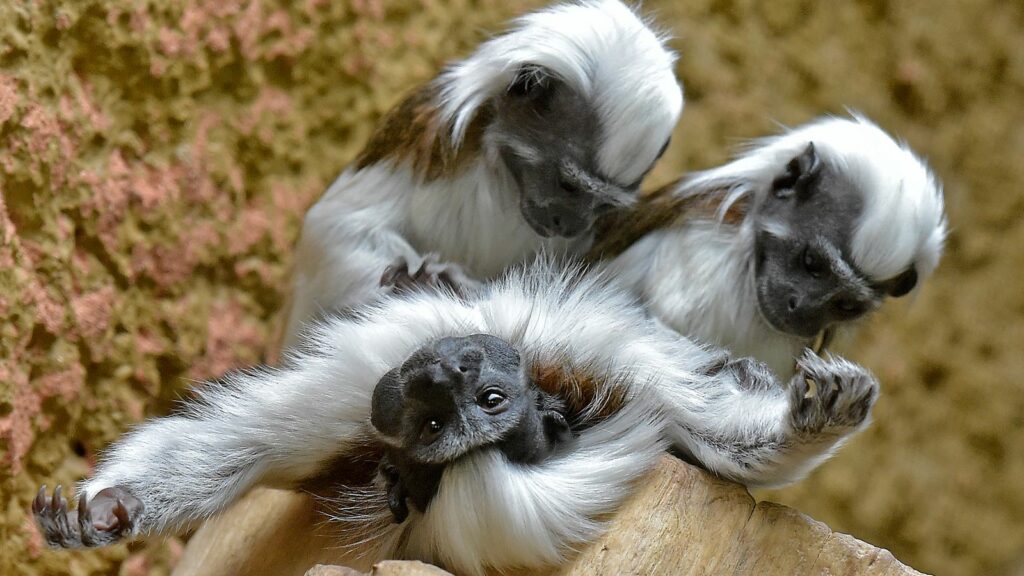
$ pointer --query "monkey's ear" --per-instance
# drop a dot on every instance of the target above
(531, 81)
(556, 428)
(387, 404)
(800, 173)
(902, 284)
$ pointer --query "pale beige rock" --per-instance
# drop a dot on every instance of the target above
(325, 570)
(406, 568)
(681, 522)
(385, 568)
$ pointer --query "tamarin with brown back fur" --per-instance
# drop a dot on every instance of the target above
(512, 151)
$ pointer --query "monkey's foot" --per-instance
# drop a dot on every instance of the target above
(432, 274)
(107, 518)
(842, 395)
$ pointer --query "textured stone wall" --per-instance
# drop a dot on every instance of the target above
(156, 157)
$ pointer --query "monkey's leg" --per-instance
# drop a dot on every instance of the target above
(756, 431)
(276, 427)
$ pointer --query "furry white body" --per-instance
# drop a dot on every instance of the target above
(279, 426)
(697, 275)
(374, 215)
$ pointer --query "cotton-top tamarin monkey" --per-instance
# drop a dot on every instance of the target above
(797, 238)
(512, 151)
(627, 388)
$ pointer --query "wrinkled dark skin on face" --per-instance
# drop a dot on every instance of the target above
(806, 280)
(450, 398)
(562, 189)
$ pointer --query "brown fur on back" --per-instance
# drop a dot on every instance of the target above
(578, 388)
(655, 210)
(356, 466)
(412, 133)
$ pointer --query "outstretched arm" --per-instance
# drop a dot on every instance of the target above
(274, 427)
(731, 415)
(751, 428)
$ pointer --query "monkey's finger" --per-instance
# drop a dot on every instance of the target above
(124, 522)
(87, 532)
(65, 530)
(39, 502)
(84, 515)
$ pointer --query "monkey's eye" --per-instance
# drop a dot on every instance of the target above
(813, 264)
(431, 428)
(492, 401)
(849, 308)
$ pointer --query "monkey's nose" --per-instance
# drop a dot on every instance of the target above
(564, 221)
(460, 355)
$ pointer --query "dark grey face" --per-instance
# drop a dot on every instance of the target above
(804, 274)
(460, 394)
(547, 135)
(450, 398)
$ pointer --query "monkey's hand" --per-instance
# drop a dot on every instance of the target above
(842, 395)
(396, 493)
(431, 274)
(105, 519)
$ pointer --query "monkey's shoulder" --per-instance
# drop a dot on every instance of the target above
(414, 133)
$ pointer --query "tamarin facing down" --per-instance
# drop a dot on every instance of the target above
(544, 397)
(512, 151)
(799, 237)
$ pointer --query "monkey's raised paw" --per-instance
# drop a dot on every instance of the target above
(431, 274)
(830, 393)
(105, 519)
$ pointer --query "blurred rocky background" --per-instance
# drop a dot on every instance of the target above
(156, 158)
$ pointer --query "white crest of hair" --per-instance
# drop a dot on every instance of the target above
(601, 48)
(537, 513)
(903, 223)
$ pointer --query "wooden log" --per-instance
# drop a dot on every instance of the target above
(681, 521)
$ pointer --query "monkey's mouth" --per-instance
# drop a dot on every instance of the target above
(557, 225)
(782, 322)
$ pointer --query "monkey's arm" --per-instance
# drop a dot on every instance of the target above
(731, 415)
(352, 241)
(747, 426)
(274, 427)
